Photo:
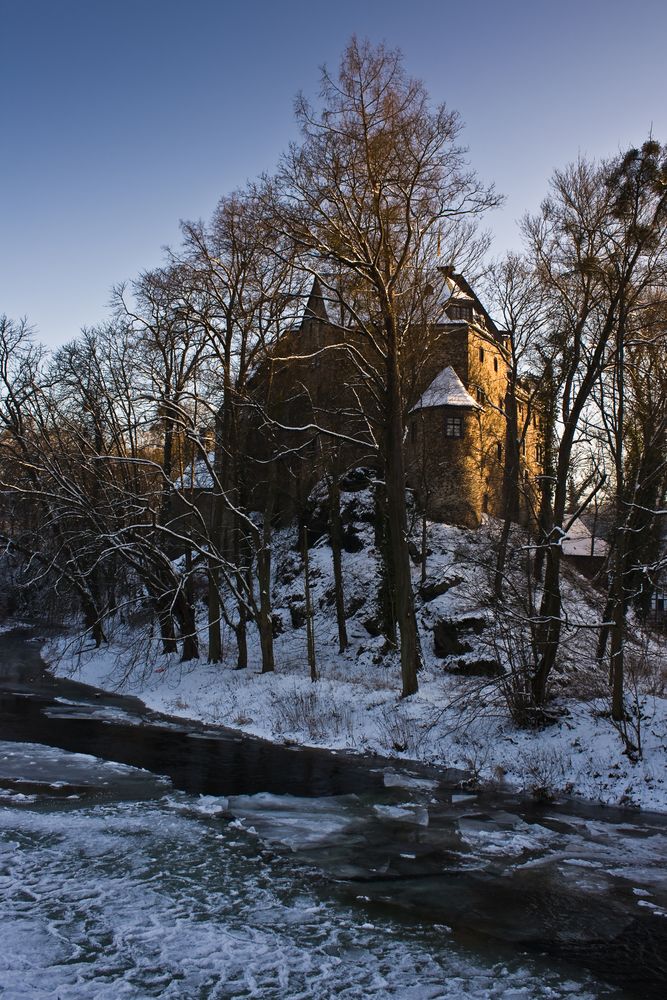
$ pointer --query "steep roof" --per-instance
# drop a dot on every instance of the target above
(446, 389)
(306, 303)
(198, 475)
(457, 289)
(580, 542)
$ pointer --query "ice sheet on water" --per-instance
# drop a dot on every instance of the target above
(135, 900)
(80, 710)
(291, 821)
(9, 797)
(50, 768)
(411, 813)
(397, 779)
(204, 805)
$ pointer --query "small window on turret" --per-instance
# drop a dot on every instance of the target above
(454, 427)
(481, 355)
(495, 364)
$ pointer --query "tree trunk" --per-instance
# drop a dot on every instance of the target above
(167, 632)
(310, 630)
(336, 534)
(616, 658)
(398, 524)
(545, 514)
(264, 582)
(549, 629)
(244, 585)
(510, 488)
(185, 614)
(386, 597)
(241, 633)
(93, 622)
(214, 633)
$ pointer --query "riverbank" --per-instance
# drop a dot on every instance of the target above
(473, 652)
(450, 723)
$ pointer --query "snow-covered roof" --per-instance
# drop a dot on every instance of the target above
(449, 293)
(446, 389)
(197, 476)
(579, 542)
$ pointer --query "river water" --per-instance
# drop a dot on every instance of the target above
(144, 857)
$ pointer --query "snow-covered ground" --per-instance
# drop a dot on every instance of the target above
(456, 720)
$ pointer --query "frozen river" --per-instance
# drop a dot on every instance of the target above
(371, 882)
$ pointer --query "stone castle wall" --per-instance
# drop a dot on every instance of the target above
(455, 479)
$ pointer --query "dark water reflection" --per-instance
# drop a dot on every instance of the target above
(578, 883)
(197, 759)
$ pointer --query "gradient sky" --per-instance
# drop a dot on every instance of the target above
(120, 117)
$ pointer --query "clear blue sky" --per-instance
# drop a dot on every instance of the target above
(120, 117)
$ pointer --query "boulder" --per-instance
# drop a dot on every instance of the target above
(297, 611)
(431, 589)
(446, 640)
(356, 479)
(448, 633)
(476, 668)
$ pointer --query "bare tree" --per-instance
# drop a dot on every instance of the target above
(520, 301)
(377, 186)
(632, 403)
(597, 245)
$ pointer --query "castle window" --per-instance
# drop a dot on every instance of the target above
(462, 312)
(480, 395)
(523, 447)
(495, 364)
(499, 451)
(454, 427)
(538, 453)
(481, 355)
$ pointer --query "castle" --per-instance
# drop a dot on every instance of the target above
(323, 412)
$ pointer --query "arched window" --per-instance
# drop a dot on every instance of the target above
(499, 451)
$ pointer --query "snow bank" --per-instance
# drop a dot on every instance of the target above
(457, 720)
